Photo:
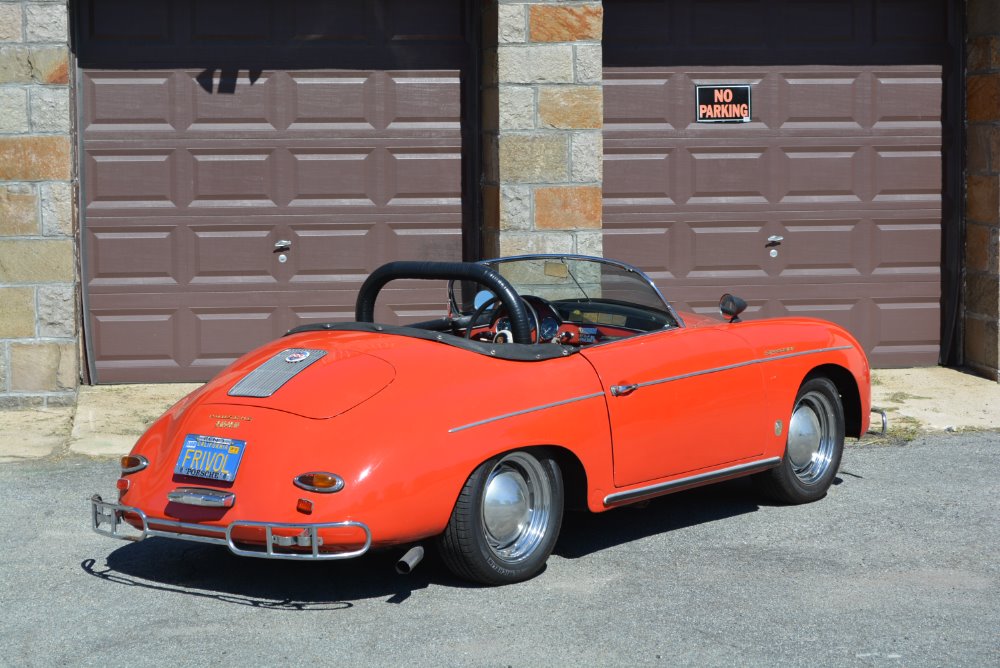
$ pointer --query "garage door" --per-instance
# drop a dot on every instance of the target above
(215, 133)
(827, 203)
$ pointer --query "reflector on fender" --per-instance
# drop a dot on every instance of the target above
(133, 463)
(320, 481)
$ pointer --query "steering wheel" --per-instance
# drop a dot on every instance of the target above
(493, 302)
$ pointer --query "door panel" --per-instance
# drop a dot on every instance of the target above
(697, 405)
(833, 164)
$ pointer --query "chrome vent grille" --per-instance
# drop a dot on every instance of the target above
(268, 378)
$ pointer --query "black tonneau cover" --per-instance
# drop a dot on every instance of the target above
(517, 352)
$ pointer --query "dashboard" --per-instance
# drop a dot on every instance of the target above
(575, 322)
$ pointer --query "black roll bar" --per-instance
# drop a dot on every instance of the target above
(364, 310)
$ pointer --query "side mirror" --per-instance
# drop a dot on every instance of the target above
(731, 307)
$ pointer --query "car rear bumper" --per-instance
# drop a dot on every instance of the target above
(267, 540)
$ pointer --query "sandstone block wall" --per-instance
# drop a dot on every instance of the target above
(39, 359)
(543, 115)
(982, 189)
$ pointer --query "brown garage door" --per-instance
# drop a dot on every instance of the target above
(842, 159)
(212, 131)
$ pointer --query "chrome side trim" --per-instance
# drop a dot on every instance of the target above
(677, 485)
(625, 390)
(112, 514)
(526, 410)
(728, 367)
(198, 496)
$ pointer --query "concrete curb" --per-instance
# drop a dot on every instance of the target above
(108, 419)
(935, 399)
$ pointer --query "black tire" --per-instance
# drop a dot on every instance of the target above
(512, 542)
(813, 447)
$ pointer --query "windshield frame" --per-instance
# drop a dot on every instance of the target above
(667, 307)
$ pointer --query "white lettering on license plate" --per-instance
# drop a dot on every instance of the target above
(210, 457)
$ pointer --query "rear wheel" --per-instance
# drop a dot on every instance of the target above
(814, 446)
(506, 520)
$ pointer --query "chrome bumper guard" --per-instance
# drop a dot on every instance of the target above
(885, 421)
(107, 518)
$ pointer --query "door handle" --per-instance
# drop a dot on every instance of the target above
(622, 390)
(282, 246)
(774, 240)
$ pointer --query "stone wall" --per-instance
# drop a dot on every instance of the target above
(982, 194)
(38, 311)
(543, 115)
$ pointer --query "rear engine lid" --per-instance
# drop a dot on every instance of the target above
(313, 383)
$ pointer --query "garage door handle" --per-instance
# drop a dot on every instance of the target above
(622, 390)
(282, 246)
(774, 240)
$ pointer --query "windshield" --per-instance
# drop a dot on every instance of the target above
(572, 279)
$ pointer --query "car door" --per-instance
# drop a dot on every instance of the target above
(680, 401)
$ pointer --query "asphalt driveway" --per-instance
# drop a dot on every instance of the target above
(898, 566)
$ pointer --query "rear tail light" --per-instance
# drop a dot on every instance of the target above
(304, 506)
(123, 484)
(319, 481)
(133, 463)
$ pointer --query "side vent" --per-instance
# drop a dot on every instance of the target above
(268, 378)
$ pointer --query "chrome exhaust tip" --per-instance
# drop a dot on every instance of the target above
(409, 561)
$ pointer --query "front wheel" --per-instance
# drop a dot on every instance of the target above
(506, 520)
(814, 446)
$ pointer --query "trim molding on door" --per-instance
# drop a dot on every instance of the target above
(691, 481)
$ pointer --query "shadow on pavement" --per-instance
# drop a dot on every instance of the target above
(584, 533)
(212, 572)
(209, 571)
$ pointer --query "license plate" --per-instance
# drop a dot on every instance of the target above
(211, 457)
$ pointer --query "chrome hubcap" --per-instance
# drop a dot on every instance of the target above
(516, 506)
(811, 437)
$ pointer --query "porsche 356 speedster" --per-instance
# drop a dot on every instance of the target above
(554, 381)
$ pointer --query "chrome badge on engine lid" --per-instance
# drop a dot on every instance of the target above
(211, 457)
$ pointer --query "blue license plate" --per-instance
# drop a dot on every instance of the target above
(211, 457)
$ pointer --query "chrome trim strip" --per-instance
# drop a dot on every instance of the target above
(728, 367)
(526, 410)
(625, 390)
(103, 512)
(806, 352)
(675, 485)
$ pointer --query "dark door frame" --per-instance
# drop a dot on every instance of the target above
(953, 192)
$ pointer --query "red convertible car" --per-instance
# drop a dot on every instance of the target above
(554, 381)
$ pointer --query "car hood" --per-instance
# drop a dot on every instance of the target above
(308, 380)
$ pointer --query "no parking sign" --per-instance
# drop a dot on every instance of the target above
(723, 104)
